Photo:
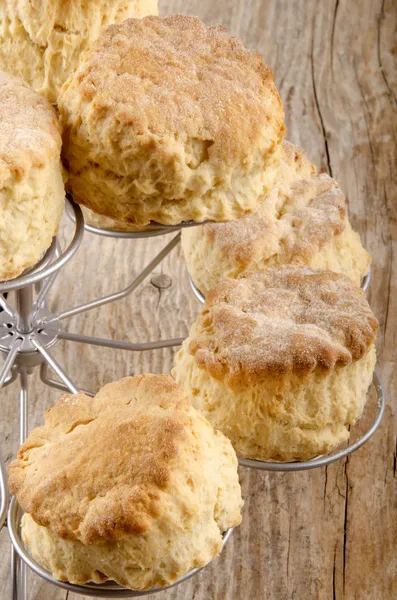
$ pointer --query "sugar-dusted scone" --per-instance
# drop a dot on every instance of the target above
(168, 120)
(32, 194)
(133, 485)
(42, 41)
(302, 221)
(280, 361)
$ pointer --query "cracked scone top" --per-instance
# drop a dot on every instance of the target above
(42, 41)
(132, 485)
(169, 120)
(31, 184)
(302, 221)
(281, 360)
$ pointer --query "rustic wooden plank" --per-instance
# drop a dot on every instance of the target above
(330, 533)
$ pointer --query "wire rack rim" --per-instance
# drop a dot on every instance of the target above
(326, 459)
(151, 230)
(106, 590)
(42, 269)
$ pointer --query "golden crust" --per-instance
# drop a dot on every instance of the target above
(101, 468)
(281, 320)
(298, 216)
(29, 132)
(302, 221)
(168, 110)
(62, 475)
(42, 41)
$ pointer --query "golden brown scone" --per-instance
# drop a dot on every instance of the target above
(132, 485)
(302, 221)
(42, 41)
(280, 361)
(168, 120)
(32, 194)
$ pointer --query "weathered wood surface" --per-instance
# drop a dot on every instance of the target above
(329, 534)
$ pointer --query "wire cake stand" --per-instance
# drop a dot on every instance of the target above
(27, 333)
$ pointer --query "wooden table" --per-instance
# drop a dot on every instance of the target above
(328, 534)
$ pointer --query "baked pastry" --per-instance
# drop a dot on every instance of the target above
(280, 361)
(41, 41)
(302, 221)
(132, 485)
(168, 120)
(102, 222)
(32, 194)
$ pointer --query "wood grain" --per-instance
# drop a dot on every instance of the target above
(329, 534)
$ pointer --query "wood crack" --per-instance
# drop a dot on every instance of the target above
(389, 274)
(345, 524)
(333, 34)
(317, 102)
(334, 577)
(365, 114)
(381, 17)
(289, 547)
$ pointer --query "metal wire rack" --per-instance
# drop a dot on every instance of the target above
(104, 590)
(27, 333)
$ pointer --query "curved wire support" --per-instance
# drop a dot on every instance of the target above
(4, 496)
(58, 385)
(201, 298)
(104, 590)
(326, 459)
(119, 345)
(365, 283)
(11, 378)
(45, 267)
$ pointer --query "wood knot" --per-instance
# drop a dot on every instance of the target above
(162, 281)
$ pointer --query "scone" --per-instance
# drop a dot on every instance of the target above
(168, 120)
(32, 194)
(302, 221)
(280, 361)
(133, 485)
(102, 222)
(42, 41)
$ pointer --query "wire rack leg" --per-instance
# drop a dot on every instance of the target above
(4, 496)
(47, 285)
(5, 306)
(123, 293)
(55, 366)
(9, 361)
(19, 573)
